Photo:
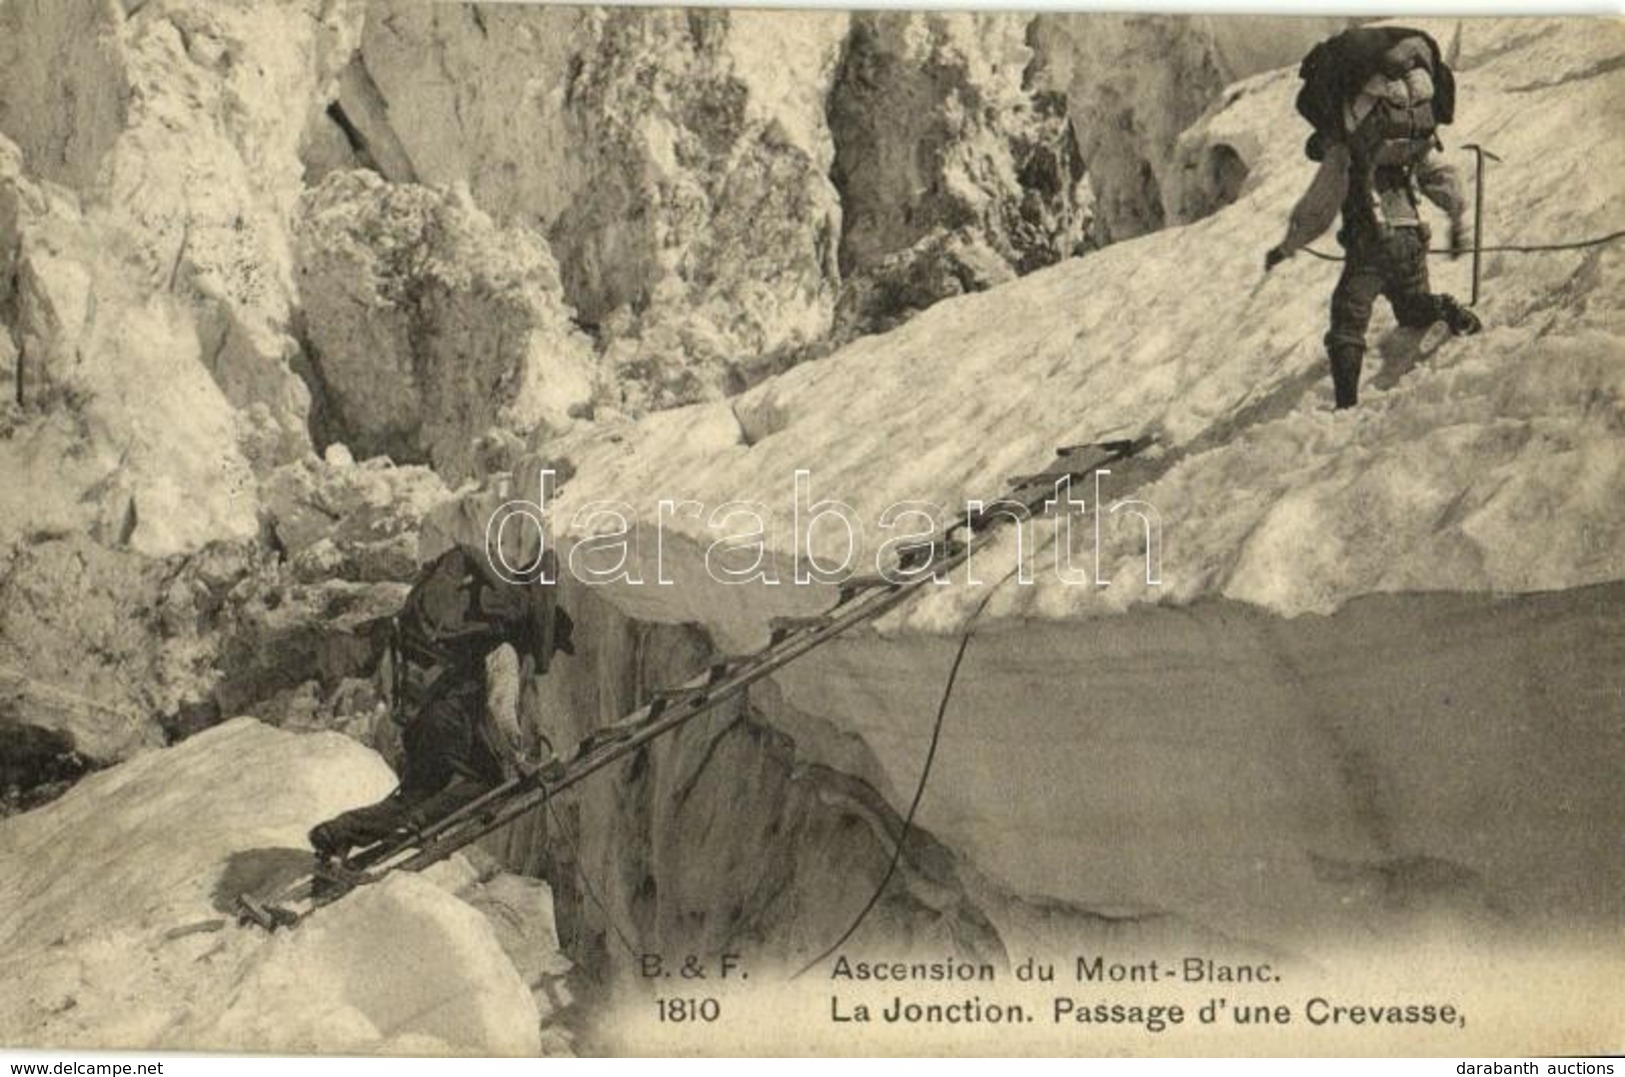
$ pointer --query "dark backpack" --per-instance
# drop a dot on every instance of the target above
(1335, 72)
(459, 611)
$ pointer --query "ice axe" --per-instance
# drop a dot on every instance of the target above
(1479, 152)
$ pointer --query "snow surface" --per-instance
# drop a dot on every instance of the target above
(98, 887)
(1494, 466)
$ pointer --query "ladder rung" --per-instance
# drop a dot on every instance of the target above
(1118, 448)
(1049, 478)
(782, 628)
(920, 554)
(724, 666)
(857, 585)
(550, 771)
(675, 694)
(980, 520)
(601, 736)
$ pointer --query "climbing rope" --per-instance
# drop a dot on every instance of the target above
(1514, 248)
(919, 788)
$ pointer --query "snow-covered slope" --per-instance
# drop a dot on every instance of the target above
(1492, 467)
(98, 888)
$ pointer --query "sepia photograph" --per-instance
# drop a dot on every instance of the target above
(542, 531)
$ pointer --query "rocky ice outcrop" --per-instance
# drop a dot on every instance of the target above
(334, 518)
(1133, 83)
(179, 129)
(940, 144)
(149, 168)
(429, 325)
(107, 649)
(677, 161)
(726, 189)
(118, 933)
(113, 425)
(41, 728)
(302, 655)
(1485, 470)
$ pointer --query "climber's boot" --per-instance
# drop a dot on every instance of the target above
(1461, 320)
(360, 827)
(1346, 360)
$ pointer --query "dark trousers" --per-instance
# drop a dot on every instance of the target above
(449, 761)
(448, 740)
(1394, 264)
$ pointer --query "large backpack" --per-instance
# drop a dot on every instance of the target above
(458, 612)
(1336, 71)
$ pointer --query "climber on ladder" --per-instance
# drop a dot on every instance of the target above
(1376, 97)
(457, 613)
(453, 791)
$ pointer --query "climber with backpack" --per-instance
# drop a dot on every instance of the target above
(458, 612)
(1376, 97)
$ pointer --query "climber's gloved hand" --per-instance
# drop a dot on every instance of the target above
(1460, 239)
(1274, 257)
